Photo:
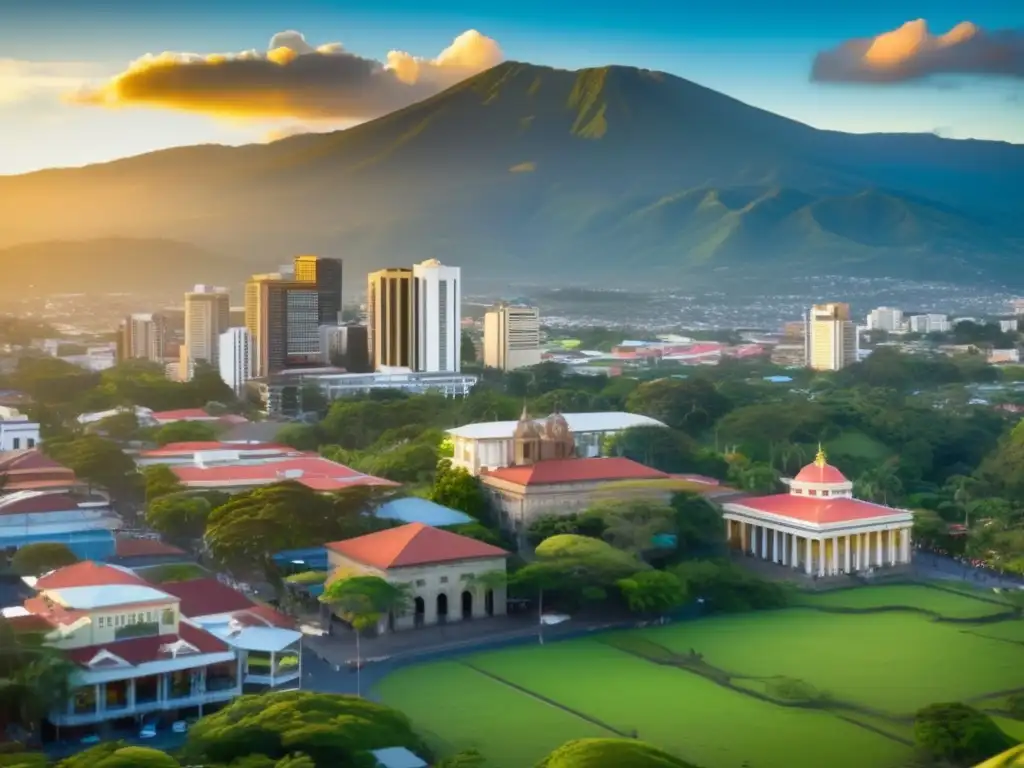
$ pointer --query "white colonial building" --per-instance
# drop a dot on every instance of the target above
(819, 527)
(17, 431)
(492, 445)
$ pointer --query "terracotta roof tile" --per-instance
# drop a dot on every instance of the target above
(824, 473)
(196, 446)
(207, 597)
(44, 502)
(413, 544)
(27, 459)
(818, 510)
(87, 574)
(139, 650)
(558, 471)
(312, 471)
(264, 616)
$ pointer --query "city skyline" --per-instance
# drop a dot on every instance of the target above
(68, 95)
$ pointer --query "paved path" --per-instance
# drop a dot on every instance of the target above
(932, 566)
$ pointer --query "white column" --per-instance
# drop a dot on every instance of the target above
(795, 559)
(835, 554)
(728, 530)
(846, 546)
(865, 560)
(878, 549)
(809, 564)
(753, 539)
(777, 549)
(906, 544)
(764, 543)
(892, 547)
(821, 557)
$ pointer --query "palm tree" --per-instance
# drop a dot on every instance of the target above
(362, 601)
(34, 679)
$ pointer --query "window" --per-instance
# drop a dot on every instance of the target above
(444, 579)
(17, 443)
(31, 442)
(421, 582)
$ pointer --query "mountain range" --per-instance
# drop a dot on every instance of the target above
(531, 173)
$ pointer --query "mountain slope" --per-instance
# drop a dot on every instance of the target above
(526, 171)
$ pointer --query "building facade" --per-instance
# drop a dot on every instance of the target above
(819, 528)
(347, 346)
(282, 317)
(390, 312)
(438, 313)
(885, 319)
(831, 337)
(449, 577)
(143, 337)
(326, 274)
(512, 337)
(207, 316)
(930, 323)
(236, 358)
(17, 431)
(85, 523)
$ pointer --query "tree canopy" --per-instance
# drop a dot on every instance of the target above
(602, 753)
(959, 734)
(41, 557)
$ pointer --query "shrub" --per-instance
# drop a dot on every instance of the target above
(958, 733)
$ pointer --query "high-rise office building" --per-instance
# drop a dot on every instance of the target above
(281, 315)
(346, 346)
(438, 303)
(390, 313)
(831, 337)
(207, 316)
(236, 358)
(142, 337)
(885, 319)
(511, 337)
(327, 275)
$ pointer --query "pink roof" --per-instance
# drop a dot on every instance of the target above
(816, 472)
(312, 471)
(184, 414)
(206, 597)
(139, 650)
(87, 574)
(196, 446)
(264, 616)
(559, 471)
(28, 459)
(44, 502)
(413, 544)
(823, 511)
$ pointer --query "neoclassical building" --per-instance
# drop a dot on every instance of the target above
(819, 527)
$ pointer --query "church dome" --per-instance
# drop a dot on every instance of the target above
(526, 428)
(821, 472)
(556, 427)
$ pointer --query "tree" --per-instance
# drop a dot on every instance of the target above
(122, 426)
(958, 733)
(185, 432)
(42, 557)
(722, 586)
(653, 592)
(34, 678)
(98, 461)
(637, 526)
(467, 349)
(159, 480)
(469, 758)
(599, 753)
(179, 517)
(331, 730)
(689, 405)
(658, 447)
(117, 754)
(455, 488)
(698, 524)
(362, 601)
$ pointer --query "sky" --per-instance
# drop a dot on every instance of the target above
(84, 82)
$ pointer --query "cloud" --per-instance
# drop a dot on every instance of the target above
(912, 52)
(291, 79)
(22, 80)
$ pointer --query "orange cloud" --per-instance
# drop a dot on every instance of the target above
(291, 79)
(912, 52)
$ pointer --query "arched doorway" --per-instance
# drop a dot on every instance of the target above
(489, 602)
(467, 605)
(442, 608)
(419, 611)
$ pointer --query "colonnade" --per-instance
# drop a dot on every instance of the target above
(822, 555)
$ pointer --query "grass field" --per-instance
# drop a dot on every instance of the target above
(889, 662)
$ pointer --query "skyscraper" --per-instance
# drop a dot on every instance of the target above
(390, 318)
(326, 274)
(142, 337)
(236, 358)
(281, 316)
(438, 316)
(207, 316)
(830, 342)
(511, 337)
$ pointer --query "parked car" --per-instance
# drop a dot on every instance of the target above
(148, 730)
(179, 726)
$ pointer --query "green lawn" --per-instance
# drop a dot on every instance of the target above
(1003, 630)
(943, 603)
(893, 662)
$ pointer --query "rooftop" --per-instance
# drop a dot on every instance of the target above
(86, 574)
(820, 472)
(106, 596)
(599, 421)
(312, 471)
(559, 471)
(417, 510)
(27, 502)
(184, 414)
(817, 510)
(31, 459)
(207, 597)
(411, 545)
(141, 650)
(202, 446)
(128, 547)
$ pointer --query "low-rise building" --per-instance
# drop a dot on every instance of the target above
(29, 469)
(314, 472)
(85, 524)
(491, 445)
(446, 574)
(17, 431)
(216, 453)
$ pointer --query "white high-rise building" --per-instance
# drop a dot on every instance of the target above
(929, 323)
(143, 336)
(207, 316)
(885, 319)
(511, 337)
(438, 311)
(830, 340)
(235, 358)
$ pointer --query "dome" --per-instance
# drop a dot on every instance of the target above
(526, 428)
(821, 472)
(556, 427)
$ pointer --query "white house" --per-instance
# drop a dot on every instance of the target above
(17, 431)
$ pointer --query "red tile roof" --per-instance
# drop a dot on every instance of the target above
(206, 597)
(184, 414)
(413, 544)
(264, 616)
(820, 473)
(312, 471)
(127, 547)
(810, 509)
(87, 574)
(27, 459)
(44, 502)
(30, 623)
(196, 446)
(139, 650)
(559, 471)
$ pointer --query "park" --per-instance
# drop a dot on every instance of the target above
(833, 680)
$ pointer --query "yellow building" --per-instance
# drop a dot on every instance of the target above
(391, 318)
(819, 527)
(830, 340)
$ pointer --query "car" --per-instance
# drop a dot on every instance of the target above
(148, 730)
(92, 738)
(179, 726)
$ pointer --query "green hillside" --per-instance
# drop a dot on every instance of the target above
(526, 171)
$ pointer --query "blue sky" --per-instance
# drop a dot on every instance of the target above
(755, 50)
